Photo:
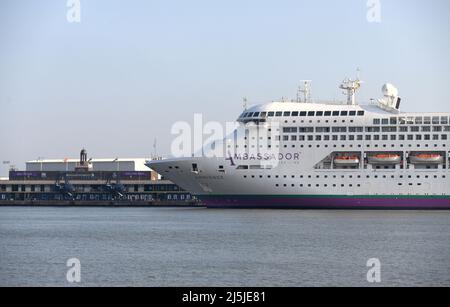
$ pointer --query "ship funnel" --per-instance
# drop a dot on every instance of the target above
(83, 157)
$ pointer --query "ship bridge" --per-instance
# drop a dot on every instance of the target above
(388, 105)
(274, 110)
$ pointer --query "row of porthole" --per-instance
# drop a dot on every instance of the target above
(317, 185)
(335, 185)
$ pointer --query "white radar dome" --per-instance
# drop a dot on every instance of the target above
(389, 90)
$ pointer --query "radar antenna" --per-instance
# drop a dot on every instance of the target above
(304, 91)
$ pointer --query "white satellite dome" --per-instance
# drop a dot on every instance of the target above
(389, 90)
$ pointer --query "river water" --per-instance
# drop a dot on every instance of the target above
(206, 247)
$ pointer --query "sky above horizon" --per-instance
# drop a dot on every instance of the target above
(122, 76)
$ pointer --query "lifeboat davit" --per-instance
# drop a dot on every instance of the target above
(385, 159)
(346, 160)
(426, 159)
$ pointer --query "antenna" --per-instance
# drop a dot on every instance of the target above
(244, 103)
(305, 91)
(154, 148)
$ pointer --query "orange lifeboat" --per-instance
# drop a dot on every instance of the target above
(346, 160)
(426, 159)
(385, 159)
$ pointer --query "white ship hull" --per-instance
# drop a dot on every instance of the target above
(303, 173)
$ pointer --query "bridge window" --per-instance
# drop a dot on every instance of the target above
(240, 167)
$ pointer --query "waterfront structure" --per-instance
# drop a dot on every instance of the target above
(89, 181)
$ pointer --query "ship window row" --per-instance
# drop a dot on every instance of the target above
(420, 120)
(368, 146)
(367, 137)
(389, 129)
(347, 176)
(409, 129)
(351, 145)
(302, 114)
(325, 185)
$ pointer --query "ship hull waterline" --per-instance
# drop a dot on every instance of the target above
(327, 202)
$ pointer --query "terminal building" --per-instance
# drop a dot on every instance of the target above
(90, 181)
(96, 165)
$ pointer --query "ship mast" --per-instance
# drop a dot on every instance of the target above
(351, 86)
(305, 91)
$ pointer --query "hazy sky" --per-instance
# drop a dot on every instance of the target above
(122, 76)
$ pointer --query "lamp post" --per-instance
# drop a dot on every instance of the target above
(118, 163)
(40, 159)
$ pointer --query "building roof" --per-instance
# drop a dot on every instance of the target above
(92, 160)
(139, 162)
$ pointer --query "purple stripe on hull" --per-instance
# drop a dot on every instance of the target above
(327, 202)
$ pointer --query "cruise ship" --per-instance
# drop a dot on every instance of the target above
(317, 155)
